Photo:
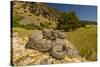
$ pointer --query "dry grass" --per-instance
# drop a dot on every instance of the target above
(85, 40)
(22, 32)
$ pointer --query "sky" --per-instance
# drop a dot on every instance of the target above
(83, 12)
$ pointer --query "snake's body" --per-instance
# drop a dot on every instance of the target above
(47, 40)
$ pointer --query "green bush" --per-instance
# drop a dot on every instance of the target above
(45, 25)
(31, 26)
(68, 21)
(15, 19)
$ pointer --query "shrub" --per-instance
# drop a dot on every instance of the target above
(45, 25)
(68, 21)
(31, 26)
(15, 19)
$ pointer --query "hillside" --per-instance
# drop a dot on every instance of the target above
(38, 15)
(35, 13)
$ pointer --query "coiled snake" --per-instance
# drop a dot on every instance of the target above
(48, 40)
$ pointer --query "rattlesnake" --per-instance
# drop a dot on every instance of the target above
(37, 42)
(50, 40)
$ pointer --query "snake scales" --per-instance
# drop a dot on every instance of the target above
(52, 41)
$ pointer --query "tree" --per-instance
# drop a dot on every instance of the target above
(72, 20)
(62, 24)
(68, 21)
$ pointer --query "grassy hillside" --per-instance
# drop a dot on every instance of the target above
(22, 32)
(85, 40)
(34, 13)
(31, 15)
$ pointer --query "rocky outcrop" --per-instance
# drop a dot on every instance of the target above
(60, 51)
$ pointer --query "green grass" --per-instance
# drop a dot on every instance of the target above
(85, 40)
(22, 32)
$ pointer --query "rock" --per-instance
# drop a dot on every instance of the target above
(15, 34)
(38, 50)
(67, 59)
(75, 60)
(50, 60)
(28, 20)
